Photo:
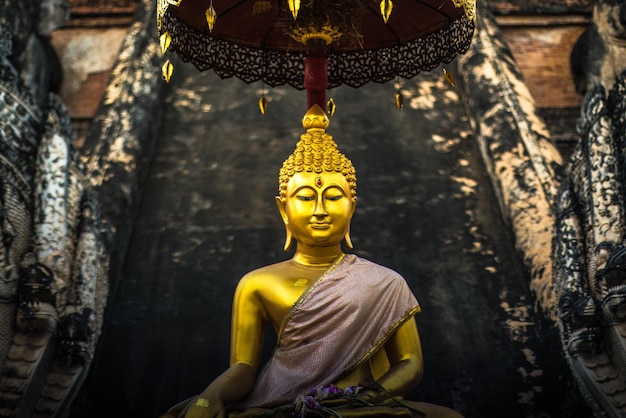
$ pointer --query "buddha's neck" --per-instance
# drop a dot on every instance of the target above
(316, 256)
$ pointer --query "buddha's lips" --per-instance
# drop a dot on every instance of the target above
(320, 225)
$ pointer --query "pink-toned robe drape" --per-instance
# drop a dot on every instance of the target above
(345, 316)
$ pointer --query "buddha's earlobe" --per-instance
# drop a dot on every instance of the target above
(288, 239)
(347, 241)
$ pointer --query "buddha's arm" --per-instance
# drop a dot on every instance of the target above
(246, 340)
(232, 385)
(404, 352)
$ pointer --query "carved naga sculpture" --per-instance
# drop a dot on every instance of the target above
(590, 257)
(53, 267)
(590, 238)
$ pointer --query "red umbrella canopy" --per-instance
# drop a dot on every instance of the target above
(261, 40)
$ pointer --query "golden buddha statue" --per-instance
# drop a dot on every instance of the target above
(341, 321)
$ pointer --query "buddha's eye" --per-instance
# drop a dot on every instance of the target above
(305, 198)
(333, 194)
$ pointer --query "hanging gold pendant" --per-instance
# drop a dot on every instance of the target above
(294, 6)
(330, 107)
(385, 9)
(263, 104)
(165, 40)
(167, 69)
(399, 101)
(449, 77)
(211, 17)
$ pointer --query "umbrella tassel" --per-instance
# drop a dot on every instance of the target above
(294, 6)
(399, 100)
(263, 104)
(330, 107)
(165, 40)
(263, 99)
(399, 96)
(167, 69)
(385, 9)
(211, 16)
(449, 77)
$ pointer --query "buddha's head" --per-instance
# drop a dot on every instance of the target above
(317, 188)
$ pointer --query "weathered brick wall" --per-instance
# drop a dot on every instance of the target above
(539, 6)
(99, 7)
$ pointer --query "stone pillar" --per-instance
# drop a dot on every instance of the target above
(523, 163)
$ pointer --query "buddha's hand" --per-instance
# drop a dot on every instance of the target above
(202, 407)
(371, 396)
(363, 398)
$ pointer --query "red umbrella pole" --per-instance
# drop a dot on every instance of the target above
(316, 73)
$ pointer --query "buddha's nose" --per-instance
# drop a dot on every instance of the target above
(320, 208)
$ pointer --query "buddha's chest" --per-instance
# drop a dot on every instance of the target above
(279, 298)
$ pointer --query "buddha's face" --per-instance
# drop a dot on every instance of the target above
(317, 208)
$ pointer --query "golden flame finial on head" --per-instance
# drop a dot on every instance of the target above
(316, 152)
(315, 118)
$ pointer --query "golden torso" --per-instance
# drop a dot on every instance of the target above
(277, 288)
(316, 210)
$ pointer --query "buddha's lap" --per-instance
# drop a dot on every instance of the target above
(380, 411)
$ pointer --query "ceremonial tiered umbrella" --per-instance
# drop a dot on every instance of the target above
(315, 44)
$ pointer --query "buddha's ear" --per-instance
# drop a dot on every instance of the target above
(280, 202)
(347, 241)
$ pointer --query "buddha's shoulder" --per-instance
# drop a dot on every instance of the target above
(265, 275)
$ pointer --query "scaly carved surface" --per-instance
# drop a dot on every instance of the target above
(53, 264)
(19, 122)
(590, 253)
